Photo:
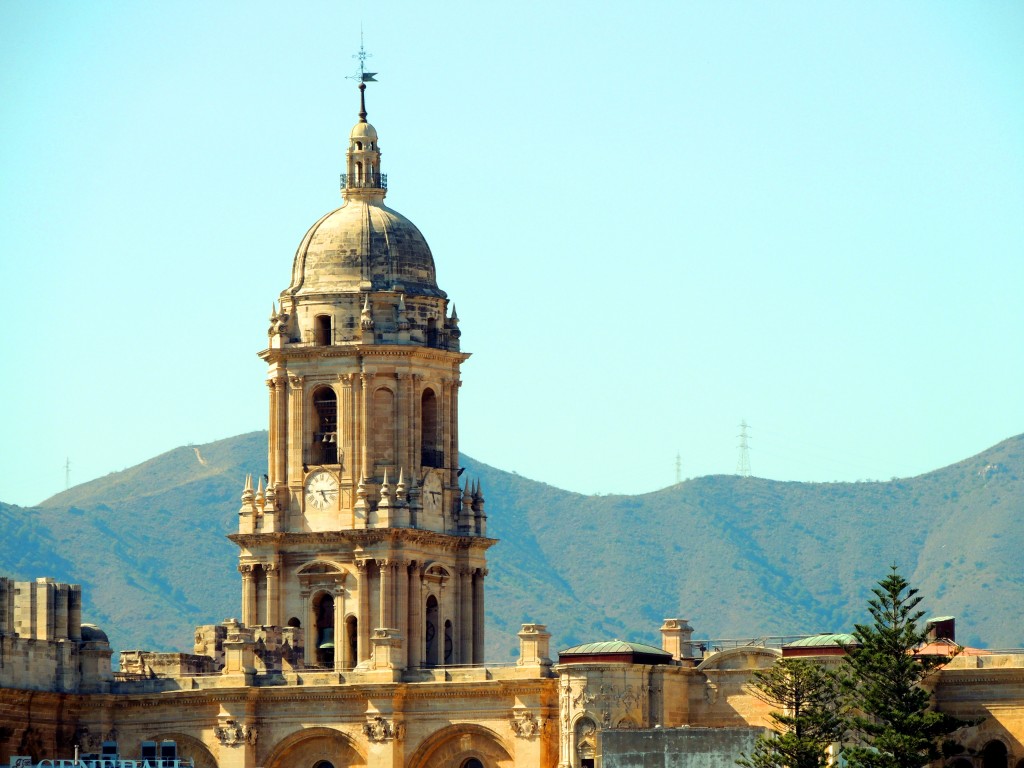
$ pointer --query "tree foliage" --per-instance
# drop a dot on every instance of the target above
(891, 724)
(806, 718)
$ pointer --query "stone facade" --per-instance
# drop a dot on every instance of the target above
(363, 566)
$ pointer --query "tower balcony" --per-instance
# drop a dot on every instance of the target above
(364, 181)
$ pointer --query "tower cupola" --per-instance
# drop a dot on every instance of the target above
(363, 178)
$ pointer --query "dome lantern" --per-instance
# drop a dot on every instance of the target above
(363, 178)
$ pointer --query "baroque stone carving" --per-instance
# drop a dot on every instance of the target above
(525, 724)
(231, 733)
(379, 729)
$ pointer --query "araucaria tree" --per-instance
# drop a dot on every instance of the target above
(806, 720)
(891, 724)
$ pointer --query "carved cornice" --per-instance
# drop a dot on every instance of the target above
(365, 537)
(384, 351)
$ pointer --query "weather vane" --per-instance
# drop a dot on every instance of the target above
(362, 76)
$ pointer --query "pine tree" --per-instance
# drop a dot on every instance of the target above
(806, 719)
(891, 724)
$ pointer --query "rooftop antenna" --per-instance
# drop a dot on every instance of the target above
(743, 464)
(679, 468)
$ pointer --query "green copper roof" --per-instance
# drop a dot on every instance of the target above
(613, 646)
(823, 641)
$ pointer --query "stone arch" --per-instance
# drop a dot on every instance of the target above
(306, 748)
(431, 454)
(584, 743)
(995, 755)
(744, 657)
(188, 748)
(454, 746)
(323, 448)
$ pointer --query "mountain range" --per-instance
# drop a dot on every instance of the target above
(740, 557)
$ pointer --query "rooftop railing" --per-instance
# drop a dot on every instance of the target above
(364, 181)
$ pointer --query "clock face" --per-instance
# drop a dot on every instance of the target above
(322, 490)
(431, 493)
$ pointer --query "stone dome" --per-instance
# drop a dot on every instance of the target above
(93, 634)
(364, 245)
(363, 131)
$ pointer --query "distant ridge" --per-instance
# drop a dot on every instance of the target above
(739, 557)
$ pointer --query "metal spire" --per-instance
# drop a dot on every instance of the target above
(362, 76)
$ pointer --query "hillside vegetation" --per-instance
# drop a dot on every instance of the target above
(739, 557)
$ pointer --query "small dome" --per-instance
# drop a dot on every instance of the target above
(823, 641)
(93, 634)
(363, 130)
(364, 242)
(614, 652)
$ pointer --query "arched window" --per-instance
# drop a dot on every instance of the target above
(322, 330)
(432, 332)
(994, 755)
(430, 632)
(383, 426)
(449, 643)
(259, 585)
(294, 622)
(323, 611)
(324, 449)
(352, 637)
(431, 454)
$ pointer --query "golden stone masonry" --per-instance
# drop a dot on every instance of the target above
(363, 558)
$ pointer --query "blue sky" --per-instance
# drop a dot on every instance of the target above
(656, 219)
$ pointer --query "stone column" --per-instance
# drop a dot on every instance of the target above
(403, 419)
(465, 655)
(296, 435)
(385, 568)
(414, 638)
(456, 383)
(401, 610)
(478, 616)
(444, 424)
(273, 571)
(346, 420)
(280, 465)
(248, 595)
(365, 380)
(60, 611)
(363, 617)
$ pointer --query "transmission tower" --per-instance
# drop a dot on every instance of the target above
(679, 469)
(743, 464)
(67, 472)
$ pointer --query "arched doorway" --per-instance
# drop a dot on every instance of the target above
(994, 755)
(430, 632)
(586, 742)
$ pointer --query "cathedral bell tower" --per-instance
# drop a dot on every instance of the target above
(361, 535)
